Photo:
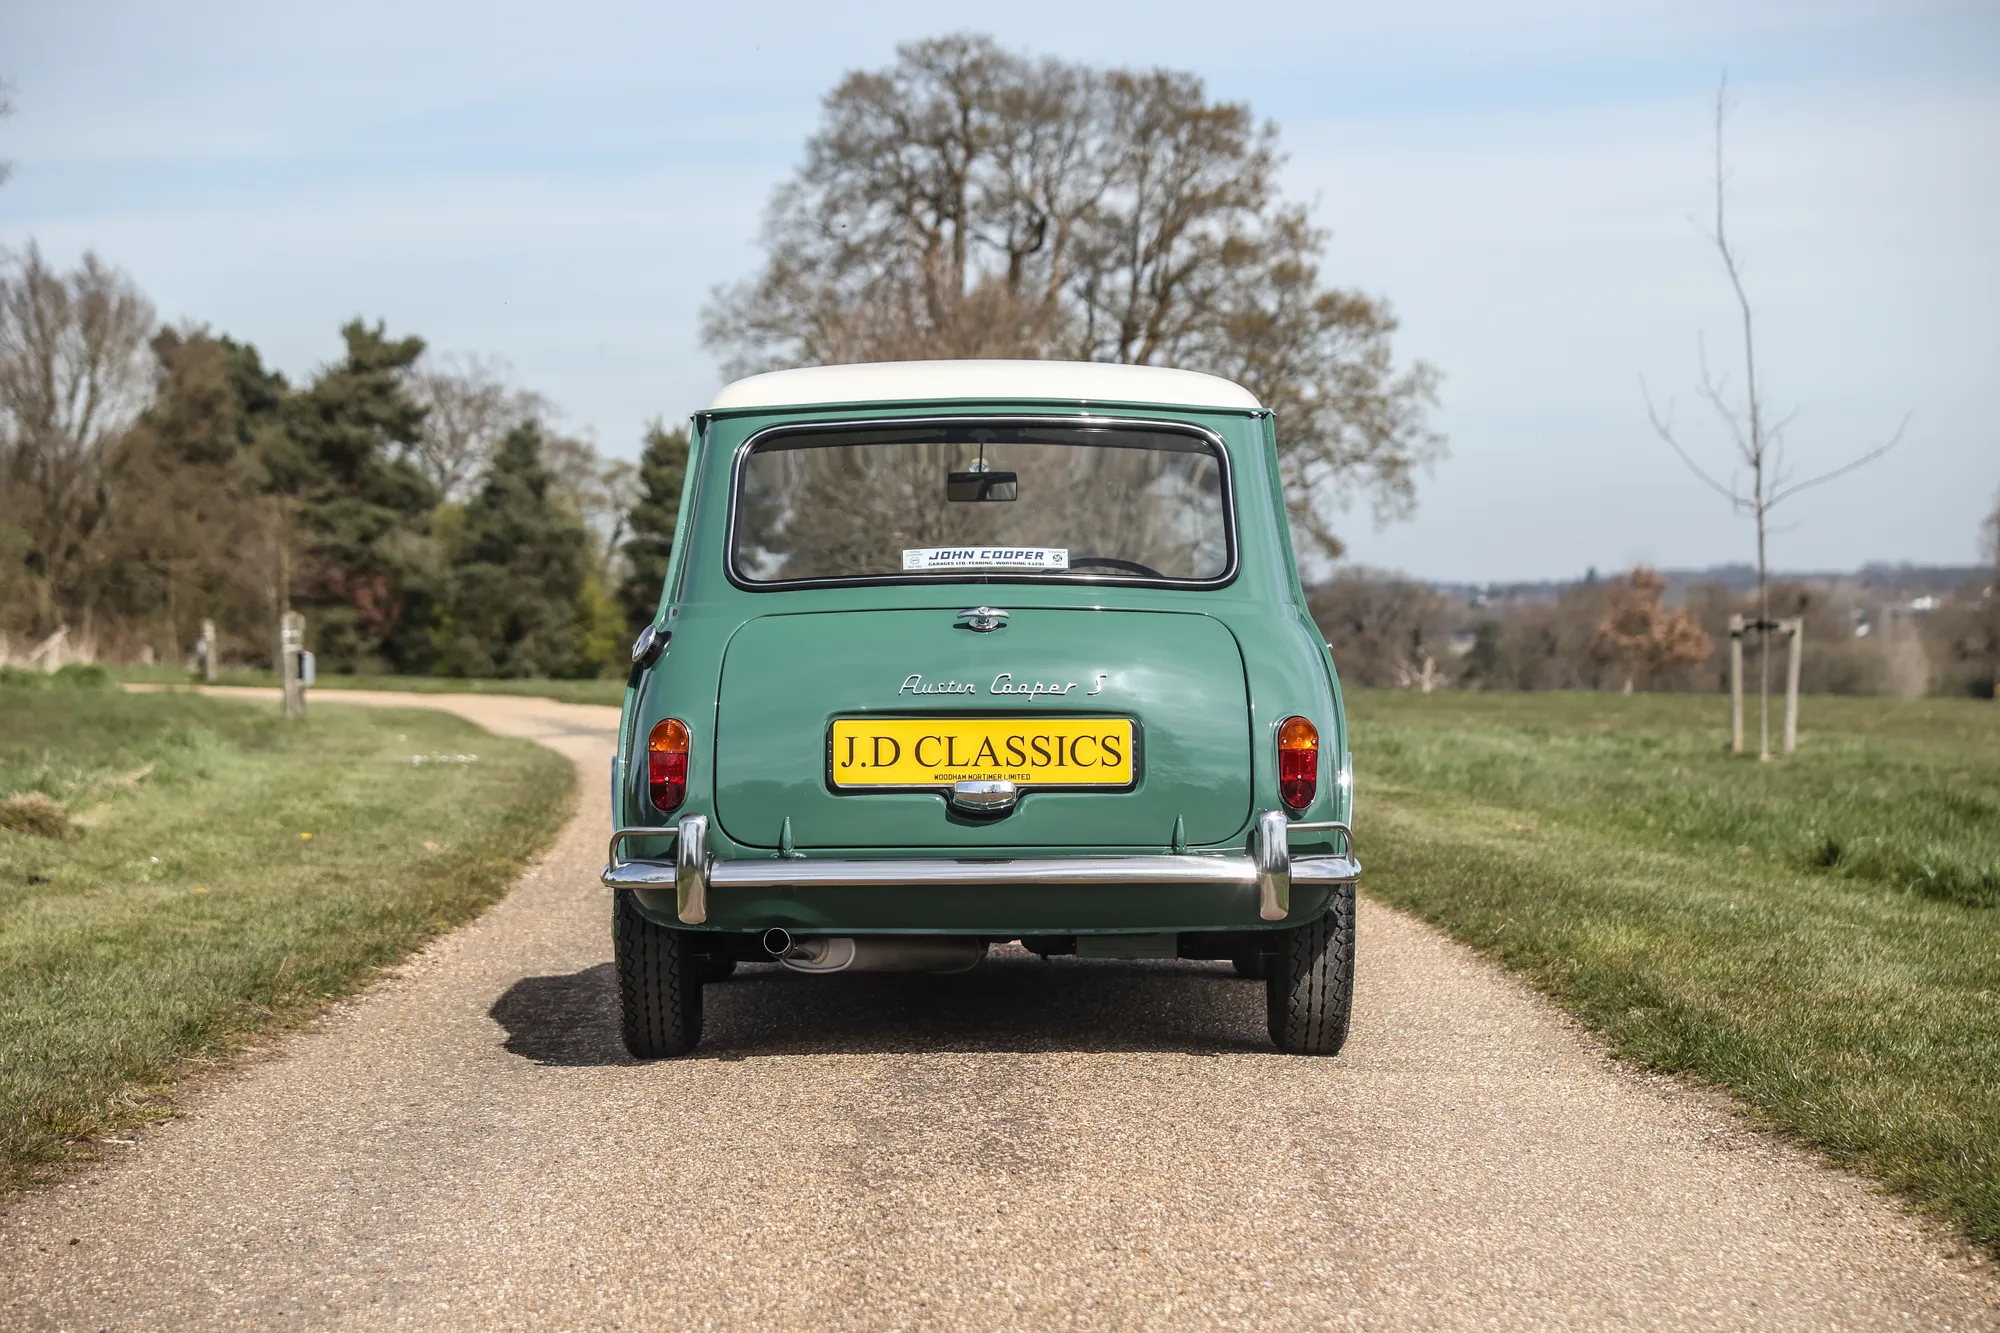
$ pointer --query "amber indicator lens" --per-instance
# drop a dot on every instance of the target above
(667, 763)
(1298, 762)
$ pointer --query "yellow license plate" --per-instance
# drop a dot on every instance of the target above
(936, 752)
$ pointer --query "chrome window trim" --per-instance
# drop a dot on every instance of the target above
(1068, 421)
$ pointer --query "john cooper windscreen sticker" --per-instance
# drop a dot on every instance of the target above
(985, 557)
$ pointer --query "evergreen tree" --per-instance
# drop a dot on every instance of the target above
(662, 469)
(519, 570)
(360, 562)
(213, 402)
(192, 536)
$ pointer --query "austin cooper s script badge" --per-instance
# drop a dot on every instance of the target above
(1004, 683)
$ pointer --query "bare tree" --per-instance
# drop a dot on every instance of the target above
(598, 491)
(6, 110)
(470, 404)
(972, 202)
(1759, 440)
(73, 375)
(1989, 608)
(932, 217)
(1384, 629)
(1961, 634)
(1989, 541)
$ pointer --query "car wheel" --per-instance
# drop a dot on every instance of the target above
(1250, 965)
(1311, 980)
(659, 983)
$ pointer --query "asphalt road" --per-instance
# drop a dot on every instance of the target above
(1057, 1144)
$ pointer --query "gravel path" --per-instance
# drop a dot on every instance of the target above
(1059, 1144)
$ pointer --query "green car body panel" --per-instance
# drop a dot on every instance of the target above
(760, 674)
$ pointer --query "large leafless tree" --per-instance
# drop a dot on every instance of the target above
(73, 374)
(1763, 477)
(972, 202)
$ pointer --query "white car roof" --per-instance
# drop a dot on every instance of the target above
(927, 381)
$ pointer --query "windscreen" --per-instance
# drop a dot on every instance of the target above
(971, 499)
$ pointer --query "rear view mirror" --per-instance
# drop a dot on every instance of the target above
(983, 485)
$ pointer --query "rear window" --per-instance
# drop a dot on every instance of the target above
(981, 501)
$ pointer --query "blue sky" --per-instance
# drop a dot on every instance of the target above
(562, 186)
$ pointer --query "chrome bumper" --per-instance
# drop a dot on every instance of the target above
(1269, 867)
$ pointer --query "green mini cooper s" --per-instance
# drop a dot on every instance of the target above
(957, 653)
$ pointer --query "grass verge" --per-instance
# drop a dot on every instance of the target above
(610, 692)
(189, 871)
(1820, 935)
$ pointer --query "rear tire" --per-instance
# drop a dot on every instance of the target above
(1310, 984)
(659, 983)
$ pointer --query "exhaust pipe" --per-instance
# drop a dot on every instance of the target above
(874, 953)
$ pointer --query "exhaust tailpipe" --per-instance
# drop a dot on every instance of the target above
(875, 953)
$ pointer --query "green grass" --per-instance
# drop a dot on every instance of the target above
(610, 692)
(185, 910)
(1820, 934)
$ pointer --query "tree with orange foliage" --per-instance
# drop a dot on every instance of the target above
(1640, 634)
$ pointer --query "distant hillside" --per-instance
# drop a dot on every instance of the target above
(1880, 579)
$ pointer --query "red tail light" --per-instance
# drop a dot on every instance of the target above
(1298, 762)
(667, 763)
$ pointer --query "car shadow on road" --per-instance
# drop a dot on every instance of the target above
(570, 1019)
(1008, 1004)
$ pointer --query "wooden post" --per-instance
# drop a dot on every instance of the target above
(291, 642)
(208, 651)
(1795, 630)
(1736, 684)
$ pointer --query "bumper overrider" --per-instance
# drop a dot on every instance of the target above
(1268, 867)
